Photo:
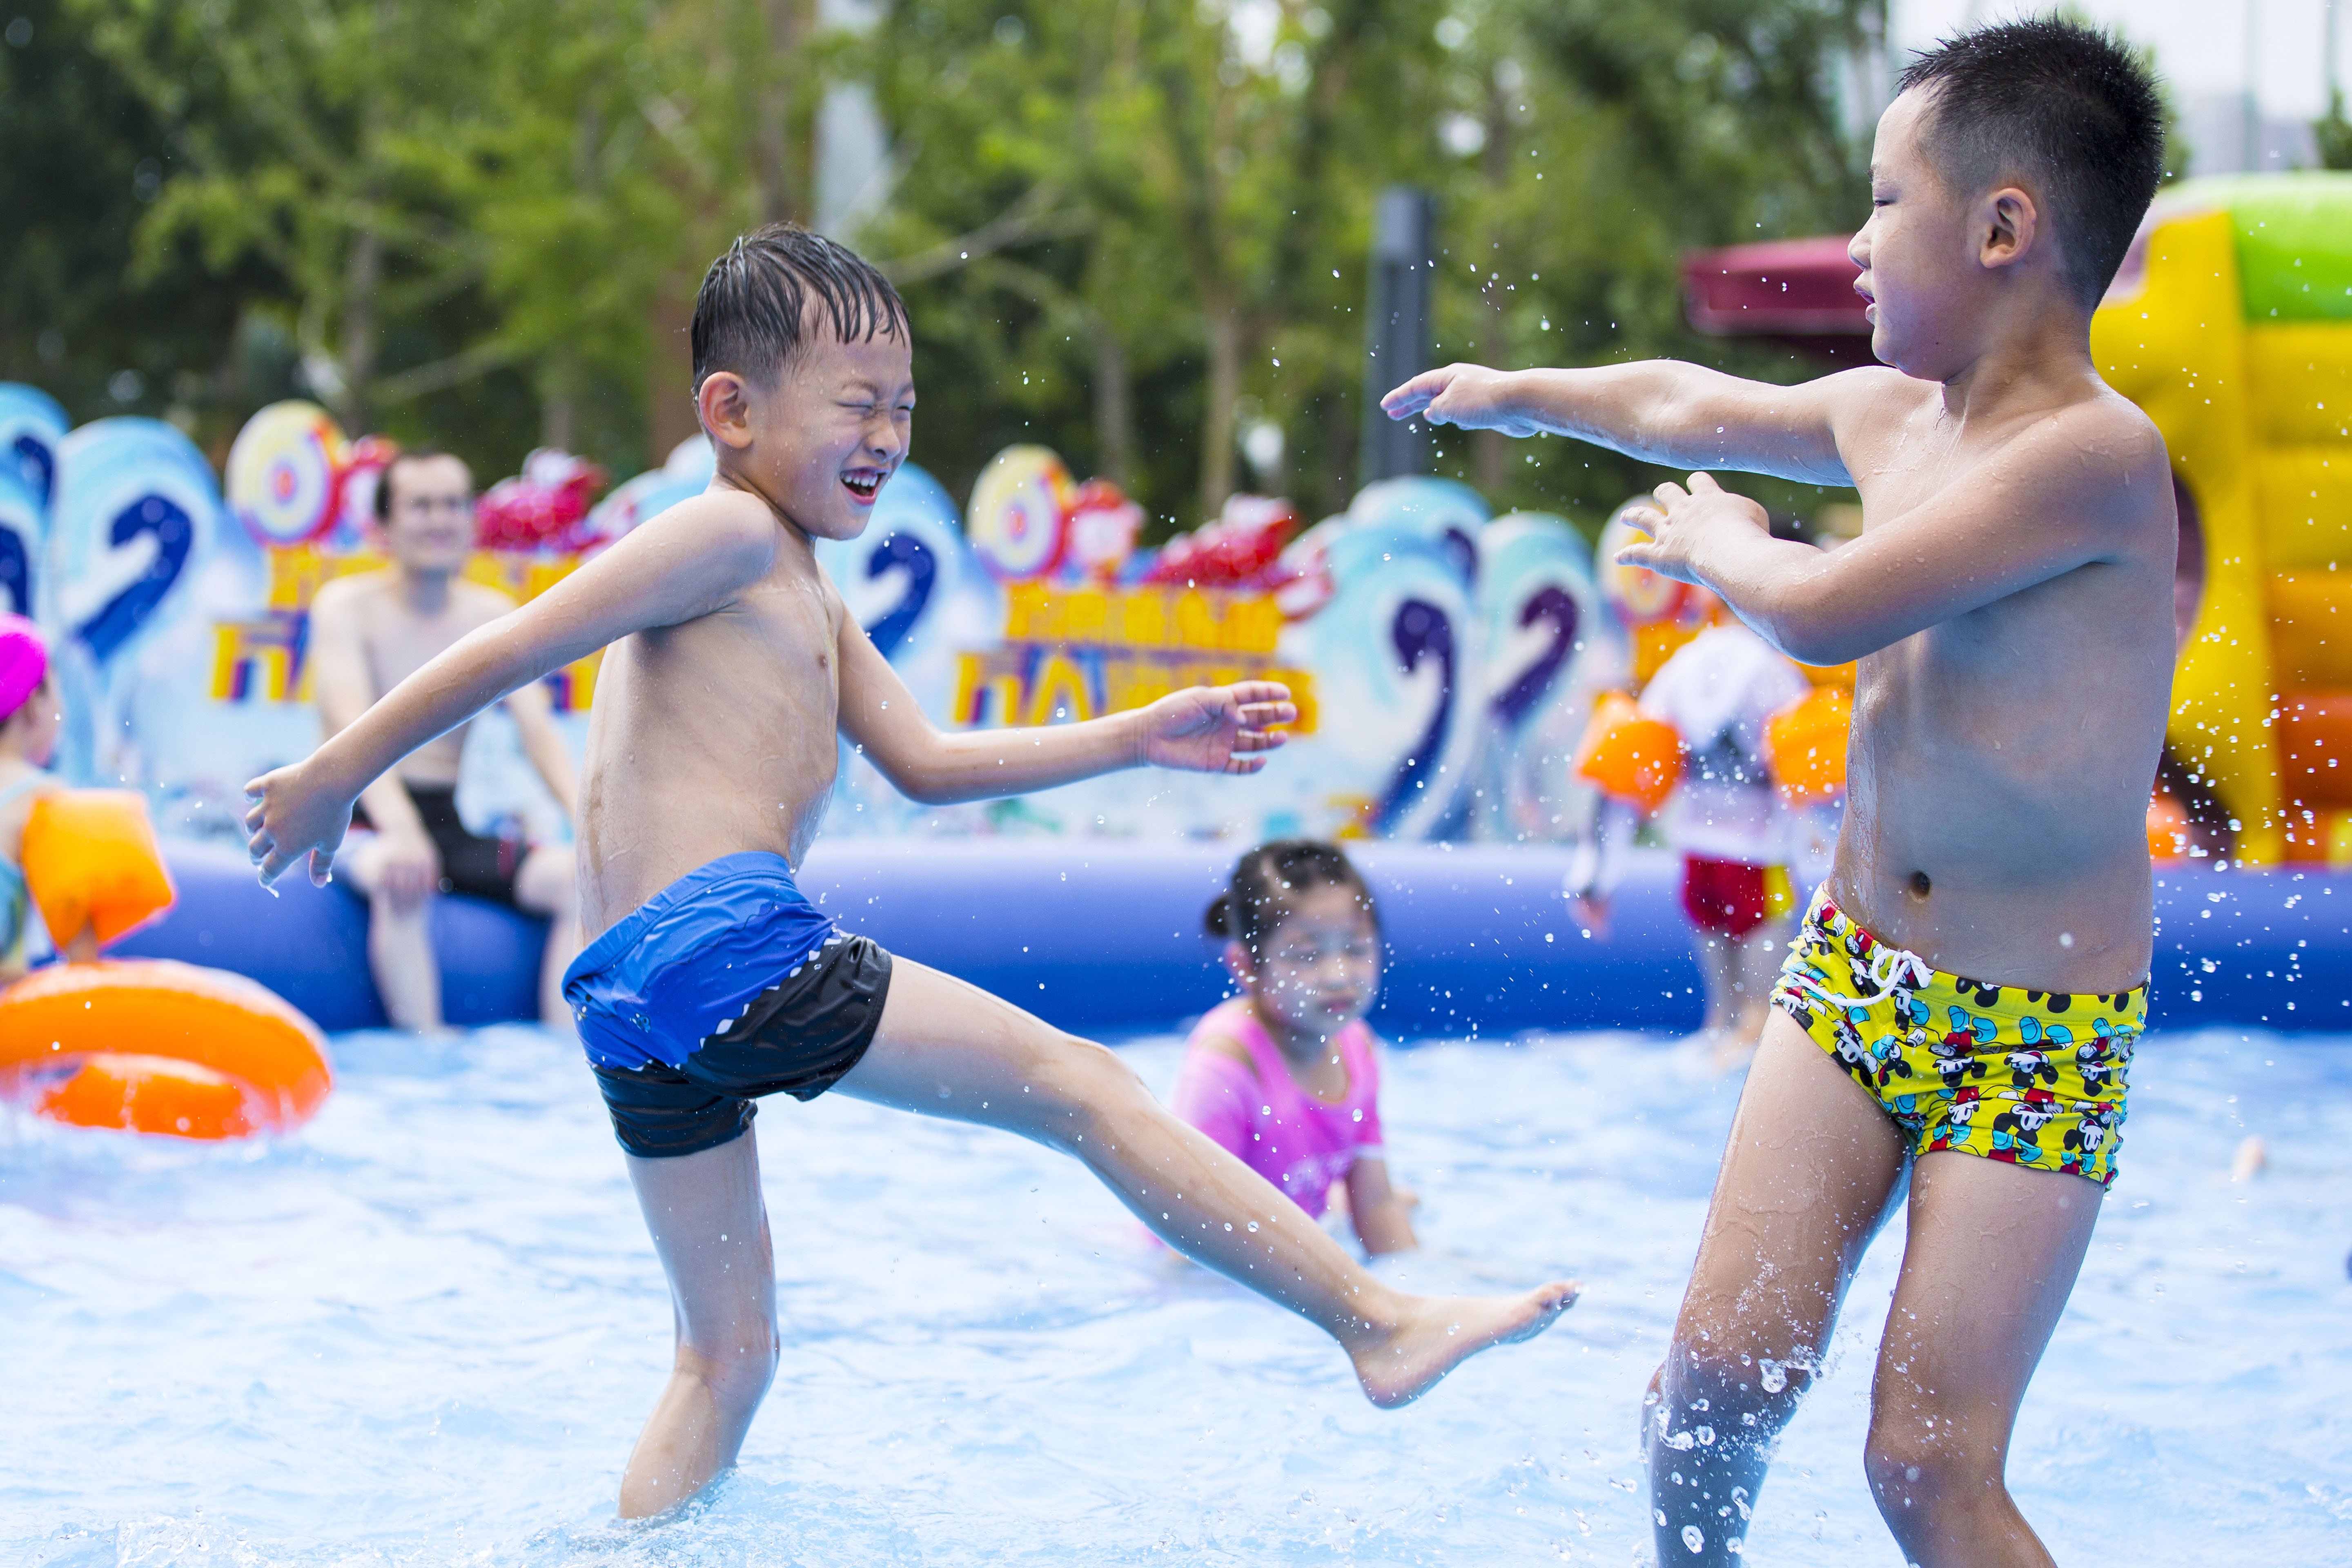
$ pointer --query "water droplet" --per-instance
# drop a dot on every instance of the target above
(1693, 1539)
(1775, 1375)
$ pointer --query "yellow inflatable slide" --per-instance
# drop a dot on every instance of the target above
(2231, 325)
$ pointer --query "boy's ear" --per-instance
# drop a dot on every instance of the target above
(2009, 224)
(1237, 962)
(724, 403)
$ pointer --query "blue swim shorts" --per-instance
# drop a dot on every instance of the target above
(725, 985)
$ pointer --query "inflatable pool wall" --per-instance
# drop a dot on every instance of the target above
(1105, 937)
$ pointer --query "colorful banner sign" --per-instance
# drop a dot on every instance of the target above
(1442, 663)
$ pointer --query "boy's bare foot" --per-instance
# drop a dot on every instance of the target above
(1433, 1334)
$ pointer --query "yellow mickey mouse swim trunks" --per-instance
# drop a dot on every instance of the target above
(2032, 1078)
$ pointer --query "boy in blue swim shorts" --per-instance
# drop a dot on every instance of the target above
(1959, 1014)
(732, 675)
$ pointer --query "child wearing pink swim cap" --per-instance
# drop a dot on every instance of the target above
(31, 716)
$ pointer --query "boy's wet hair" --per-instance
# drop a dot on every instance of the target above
(1269, 875)
(751, 314)
(406, 455)
(2063, 105)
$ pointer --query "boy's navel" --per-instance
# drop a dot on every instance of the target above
(1920, 886)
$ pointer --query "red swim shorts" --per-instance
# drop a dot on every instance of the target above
(1724, 896)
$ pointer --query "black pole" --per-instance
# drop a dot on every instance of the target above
(1396, 346)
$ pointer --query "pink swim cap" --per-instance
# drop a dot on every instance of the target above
(23, 663)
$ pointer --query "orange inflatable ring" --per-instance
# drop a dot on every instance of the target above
(155, 1046)
(91, 860)
(1804, 744)
(1629, 755)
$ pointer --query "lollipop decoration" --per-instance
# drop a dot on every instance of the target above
(24, 533)
(1538, 599)
(286, 473)
(1019, 519)
(31, 426)
(136, 506)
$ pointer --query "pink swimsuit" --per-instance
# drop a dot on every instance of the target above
(1281, 1131)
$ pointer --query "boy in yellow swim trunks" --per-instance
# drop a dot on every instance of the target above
(2010, 601)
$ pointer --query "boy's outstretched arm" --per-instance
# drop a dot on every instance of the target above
(2065, 494)
(1660, 411)
(1206, 729)
(686, 562)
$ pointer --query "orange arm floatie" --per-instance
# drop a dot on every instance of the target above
(91, 860)
(1629, 755)
(1804, 744)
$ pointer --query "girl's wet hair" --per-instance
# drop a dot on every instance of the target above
(1270, 876)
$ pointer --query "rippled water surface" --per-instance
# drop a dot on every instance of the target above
(425, 1332)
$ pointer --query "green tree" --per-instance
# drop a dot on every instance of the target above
(470, 219)
(82, 160)
(1596, 144)
(2334, 134)
(1124, 229)
(1151, 209)
(1111, 211)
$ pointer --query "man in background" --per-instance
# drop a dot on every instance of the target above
(368, 633)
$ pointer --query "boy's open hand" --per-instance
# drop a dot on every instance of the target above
(1683, 523)
(291, 818)
(1469, 395)
(1217, 729)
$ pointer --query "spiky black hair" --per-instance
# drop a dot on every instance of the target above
(2065, 107)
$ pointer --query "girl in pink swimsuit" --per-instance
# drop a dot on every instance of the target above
(1283, 1075)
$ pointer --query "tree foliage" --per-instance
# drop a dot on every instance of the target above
(1131, 229)
(1115, 211)
(82, 160)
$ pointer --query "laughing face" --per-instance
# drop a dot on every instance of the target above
(821, 443)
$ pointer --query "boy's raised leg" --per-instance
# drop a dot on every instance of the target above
(947, 1049)
(1809, 1174)
(711, 1228)
(1992, 1251)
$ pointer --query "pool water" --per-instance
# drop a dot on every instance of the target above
(425, 1331)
